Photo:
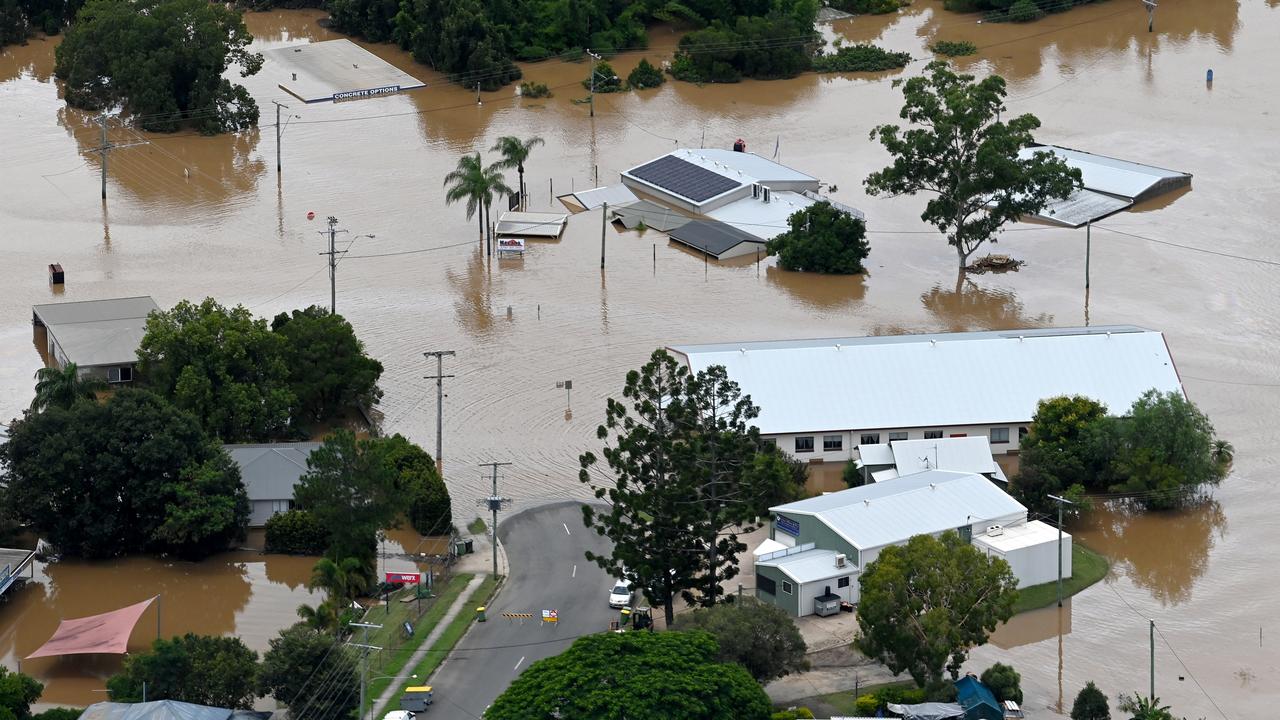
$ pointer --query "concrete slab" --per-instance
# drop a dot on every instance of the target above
(335, 71)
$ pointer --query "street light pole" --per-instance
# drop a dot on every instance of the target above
(1060, 501)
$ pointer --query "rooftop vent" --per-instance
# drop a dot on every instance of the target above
(995, 530)
(841, 560)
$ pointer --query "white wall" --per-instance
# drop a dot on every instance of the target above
(809, 591)
(1034, 564)
(979, 526)
(851, 438)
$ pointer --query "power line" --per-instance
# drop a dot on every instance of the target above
(1190, 674)
(1232, 256)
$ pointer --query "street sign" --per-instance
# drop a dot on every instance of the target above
(550, 616)
(408, 578)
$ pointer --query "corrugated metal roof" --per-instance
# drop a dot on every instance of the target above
(680, 177)
(98, 332)
(751, 166)
(612, 194)
(165, 710)
(711, 236)
(810, 566)
(965, 454)
(87, 311)
(531, 224)
(270, 471)
(653, 215)
(911, 381)
(1111, 175)
(1082, 206)
(895, 510)
(764, 220)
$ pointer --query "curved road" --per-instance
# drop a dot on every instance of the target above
(544, 547)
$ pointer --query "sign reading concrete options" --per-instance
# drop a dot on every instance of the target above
(335, 71)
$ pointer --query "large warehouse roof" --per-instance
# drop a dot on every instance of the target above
(938, 380)
(892, 511)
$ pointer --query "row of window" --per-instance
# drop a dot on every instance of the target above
(835, 443)
(771, 587)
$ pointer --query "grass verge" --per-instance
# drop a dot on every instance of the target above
(840, 703)
(396, 660)
(1087, 568)
(477, 527)
(455, 630)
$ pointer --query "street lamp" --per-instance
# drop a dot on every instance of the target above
(592, 95)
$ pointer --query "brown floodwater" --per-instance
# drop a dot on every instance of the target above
(190, 216)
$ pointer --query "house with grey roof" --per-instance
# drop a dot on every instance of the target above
(100, 336)
(270, 471)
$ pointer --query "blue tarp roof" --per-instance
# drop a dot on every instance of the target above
(978, 701)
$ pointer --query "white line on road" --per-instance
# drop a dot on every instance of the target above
(517, 667)
(566, 528)
(575, 571)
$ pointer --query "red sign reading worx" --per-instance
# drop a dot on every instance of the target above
(408, 578)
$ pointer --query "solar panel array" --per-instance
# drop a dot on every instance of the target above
(684, 178)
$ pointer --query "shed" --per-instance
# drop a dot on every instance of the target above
(100, 336)
(1110, 185)
(1031, 549)
(794, 578)
(335, 71)
(270, 472)
(978, 701)
(649, 214)
(719, 240)
(905, 457)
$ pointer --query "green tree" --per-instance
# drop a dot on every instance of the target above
(224, 366)
(961, 152)
(515, 152)
(758, 636)
(329, 370)
(822, 239)
(133, 474)
(603, 78)
(924, 604)
(17, 692)
(670, 675)
(296, 656)
(322, 617)
(645, 76)
(126, 53)
(425, 495)
(59, 713)
(477, 184)
(1060, 454)
(295, 532)
(1090, 704)
(342, 580)
(63, 386)
(1166, 451)
(350, 487)
(1144, 708)
(1004, 681)
(201, 669)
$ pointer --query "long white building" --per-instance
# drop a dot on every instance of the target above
(819, 399)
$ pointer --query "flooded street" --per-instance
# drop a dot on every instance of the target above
(189, 216)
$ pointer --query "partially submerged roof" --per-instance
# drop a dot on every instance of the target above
(679, 176)
(1082, 207)
(909, 381)
(1121, 178)
(651, 214)
(809, 565)
(334, 71)
(713, 237)
(270, 471)
(748, 165)
(892, 511)
(763, 220)
(166, 710)
(613, 194)
(531, 224)
(98, 332)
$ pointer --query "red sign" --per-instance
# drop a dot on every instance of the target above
(408, 578)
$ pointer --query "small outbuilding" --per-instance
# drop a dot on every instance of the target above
(270, 472)
(1030, 548)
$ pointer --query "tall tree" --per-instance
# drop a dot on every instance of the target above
(17, 692)
(514, 153)
(223, 365)
(296, 657)
(329, 370)
(350, 487)
(1090, 704)
(201, 669)
(924, 604)
(133, 474)
(1060, 453)
(61, 387)
(429, 507)
(670, 675)
(758, 636)
(1166, 451)
(822, 239)
(960, 151)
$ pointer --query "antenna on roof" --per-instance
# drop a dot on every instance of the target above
(742, 350)
(837, 347)
(933, 342)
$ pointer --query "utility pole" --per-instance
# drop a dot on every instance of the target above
(1060, 501)
(1151, 14)
(439, 377)
(332, 232)
(1088, 250)
(591, 97)
(1153, 661)
(604, 223)
(278, 106)
(495, 502)
(365, 647)
(106, 147)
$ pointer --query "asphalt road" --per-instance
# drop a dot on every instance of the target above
(545, 547)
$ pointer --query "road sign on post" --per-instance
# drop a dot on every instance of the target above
(408, 578)
(550, 616)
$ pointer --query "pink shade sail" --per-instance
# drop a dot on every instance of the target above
(107, 633)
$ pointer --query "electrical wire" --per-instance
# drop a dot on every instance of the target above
(1232, 256)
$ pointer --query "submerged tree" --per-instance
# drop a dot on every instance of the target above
(822, 239)
(514, 153)
(202, 669)
(962, 153)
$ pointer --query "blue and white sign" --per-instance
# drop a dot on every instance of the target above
(787, 525)
(366, 93)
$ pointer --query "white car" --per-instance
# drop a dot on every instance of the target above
(619, 595)
(398, 715)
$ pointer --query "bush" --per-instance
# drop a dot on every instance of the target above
(683, 69)
(867, 7)
(534, 90)
(17, 692)
(954, 48)
(758, 636)
(822, 239)
(800, 713)
(1024, 11)
(1090, 704)
(1004, 681)
(645, 76)
(606, 80)
(533, 53)
(59, 713)
(867, 705)
(861, 58)
(296, 532)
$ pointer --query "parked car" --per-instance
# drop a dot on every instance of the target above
(398, 715)
(619, 595)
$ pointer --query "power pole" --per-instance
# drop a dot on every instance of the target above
(604, 222)
(1060, 501)
(365, 647)
(591, 97)
(106, 147)
(1151, 14)
(278, 106)
(332, 232)
(1088, 250)
(439, 377)
(495, 502)
(1153, 661)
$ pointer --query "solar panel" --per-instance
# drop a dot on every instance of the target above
(684, 178)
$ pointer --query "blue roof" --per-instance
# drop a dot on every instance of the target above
(978, 701)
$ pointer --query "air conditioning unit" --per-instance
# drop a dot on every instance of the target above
(841, 560)
(765, 193)
(995, 530)
(755, 190)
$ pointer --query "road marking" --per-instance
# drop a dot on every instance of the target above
(575, 571)
(517, 667)
(566, 528)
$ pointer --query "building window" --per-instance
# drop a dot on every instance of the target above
(804, 444)
(832, 443)
(842, 582)
(1022, 432)
(897, 436)
(932, 434)
(279, 506)
(999, 435)
(767, 585)
(870, 439)
(772, 441)
(787, 588)
(122, 374)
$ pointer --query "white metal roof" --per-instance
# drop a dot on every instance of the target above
(744, 165)
(1109, 175)
(878, 454)
(810, 566)
(334, 70)
(270, 471)
(612, 194)
(910, 381)
(967, 454)
(1020, 536)
(1081, 207)
(895, 510)
(98, 332)
(531, 224)
(765, 220)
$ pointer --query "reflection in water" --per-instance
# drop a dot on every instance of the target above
(825, 292)
(970, 307)
(1164, 553)
(473, 294)
(1033, 626)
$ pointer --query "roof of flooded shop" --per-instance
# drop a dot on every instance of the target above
(711, 236)
(686, 179)
(907, 381)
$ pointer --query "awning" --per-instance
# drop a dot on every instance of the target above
(107, 633)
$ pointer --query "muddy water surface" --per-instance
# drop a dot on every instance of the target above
(190, 216)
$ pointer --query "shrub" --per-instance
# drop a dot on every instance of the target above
(645, 76)
(682, 68)
(1090, 704)
(296, 532)
(59, 713)
(534, 90)
(867, 705)
(1004, 681)
(606, 80)
(533, 53)
(861, 58)
(800, 713)
(867, 7)
(822, 239)
(1024, 11)
(954, 48)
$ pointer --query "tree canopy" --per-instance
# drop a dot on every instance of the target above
(350, 487)
(201, 669)
(63, 386)
(758, 636)
(960, 151)
(329, 371)
(1059, 454)
(1090, 704)
(1004, 681)
(133, 474)
(299, 654)
(687, 473)
(923, 605)
(127, 53)
(637, 675)
(822, 239)
(429, 508)
(17, 692)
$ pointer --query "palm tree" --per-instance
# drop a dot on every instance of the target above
(341, 580)
(1222, 452)
(321, 618)
(63, 386)
(494, 183)
(466, 182)
(514, 153)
